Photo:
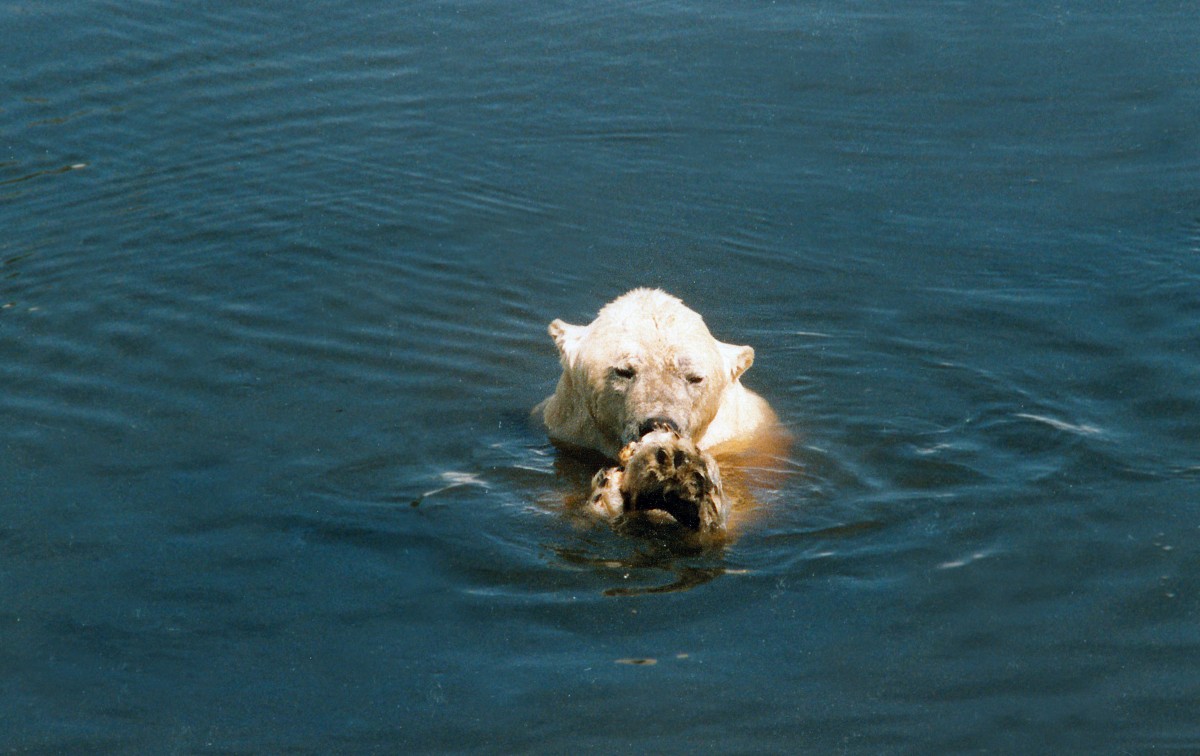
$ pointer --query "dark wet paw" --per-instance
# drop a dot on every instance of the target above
(669, 474)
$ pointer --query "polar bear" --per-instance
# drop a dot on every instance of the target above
(648, 362)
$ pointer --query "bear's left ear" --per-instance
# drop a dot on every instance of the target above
(738, 359)
(566, 338)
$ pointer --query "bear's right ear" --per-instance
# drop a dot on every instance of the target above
(738, 359)
(566, 338)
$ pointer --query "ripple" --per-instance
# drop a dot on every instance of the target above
(976, 556)
(44, 172)
(1081, 429)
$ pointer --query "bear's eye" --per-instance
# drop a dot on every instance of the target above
(694, 378)
(624, 372)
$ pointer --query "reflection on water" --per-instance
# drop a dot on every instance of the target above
(657, 556)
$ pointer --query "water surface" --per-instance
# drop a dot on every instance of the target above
(275, 282)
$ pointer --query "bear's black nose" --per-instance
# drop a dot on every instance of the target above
(657, 423)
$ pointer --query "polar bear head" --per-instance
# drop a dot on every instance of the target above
(645, 362)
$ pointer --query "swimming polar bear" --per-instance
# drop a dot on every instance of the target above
(647, 377)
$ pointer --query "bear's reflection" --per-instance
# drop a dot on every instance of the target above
(665, 559)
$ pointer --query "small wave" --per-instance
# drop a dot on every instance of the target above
(1081, 429)
(954, 564)
(44, 172)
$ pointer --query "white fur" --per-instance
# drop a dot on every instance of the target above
(647, 355)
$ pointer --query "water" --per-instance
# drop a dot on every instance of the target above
(275, 282)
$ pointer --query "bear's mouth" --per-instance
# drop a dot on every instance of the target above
(653, 425)
(684, 511)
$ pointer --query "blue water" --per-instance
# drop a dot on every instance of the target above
(275, 278)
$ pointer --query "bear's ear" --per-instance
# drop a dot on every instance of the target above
(738, 359)
(566, 337)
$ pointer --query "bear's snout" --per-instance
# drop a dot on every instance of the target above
(656, 423)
